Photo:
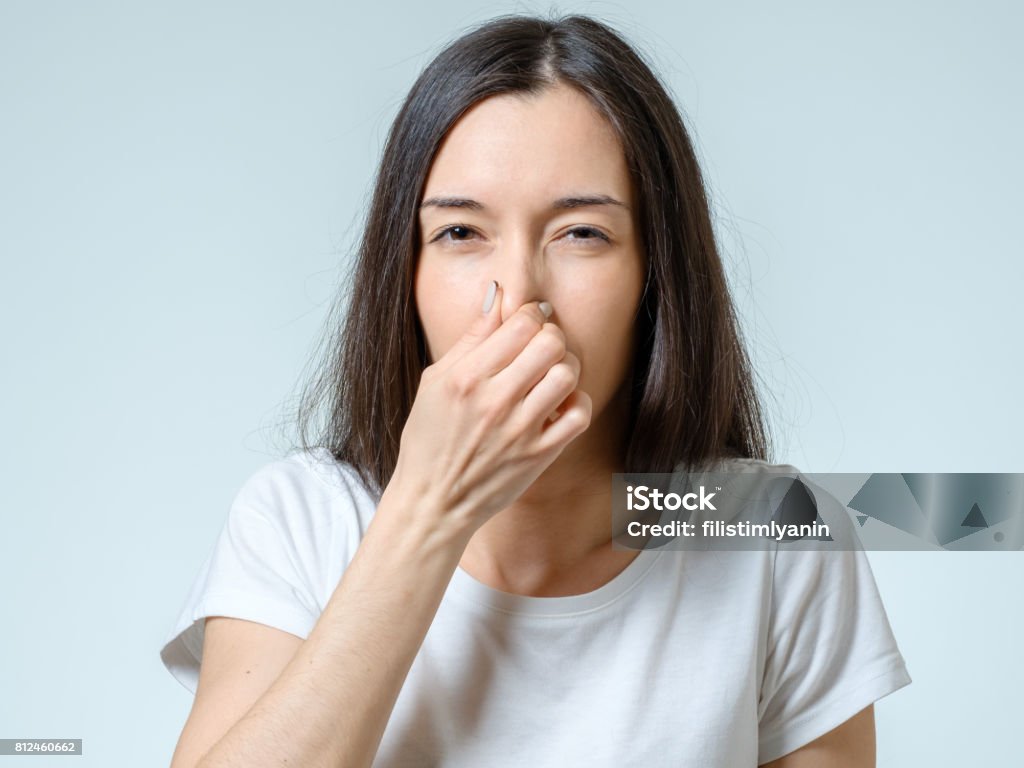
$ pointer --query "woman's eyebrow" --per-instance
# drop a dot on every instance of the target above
(562, 203)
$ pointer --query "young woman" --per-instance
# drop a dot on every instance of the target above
(538, 304)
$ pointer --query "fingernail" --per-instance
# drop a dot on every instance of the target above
(492, 289)
(545, 308)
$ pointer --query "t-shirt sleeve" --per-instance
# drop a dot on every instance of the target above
(830, 650)
(258, 569)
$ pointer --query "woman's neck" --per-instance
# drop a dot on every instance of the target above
(563, 519)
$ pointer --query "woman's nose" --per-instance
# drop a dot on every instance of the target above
(521, 273)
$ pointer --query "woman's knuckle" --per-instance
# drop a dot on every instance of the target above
(552, 344)
(526, 324)
(575, 418)
(563, 376)
(461, 384)
(555, 331)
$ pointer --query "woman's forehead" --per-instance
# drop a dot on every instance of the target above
(542, 144)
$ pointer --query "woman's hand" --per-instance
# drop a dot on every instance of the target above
(491, 415)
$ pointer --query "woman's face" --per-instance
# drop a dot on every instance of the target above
(548, 210)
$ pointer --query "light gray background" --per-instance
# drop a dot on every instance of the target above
(180, 181)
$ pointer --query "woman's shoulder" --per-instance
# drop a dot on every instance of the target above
(307, 488)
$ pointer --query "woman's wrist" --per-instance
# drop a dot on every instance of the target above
(417, 515)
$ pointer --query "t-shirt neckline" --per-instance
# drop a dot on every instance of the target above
(464, 585)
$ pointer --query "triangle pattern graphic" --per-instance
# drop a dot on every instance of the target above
(974, 518)
(886, 497)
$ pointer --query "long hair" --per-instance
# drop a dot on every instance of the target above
(692, 398)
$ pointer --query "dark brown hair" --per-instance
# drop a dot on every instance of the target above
(692, 397)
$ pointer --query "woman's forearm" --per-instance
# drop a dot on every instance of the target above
(331, 703)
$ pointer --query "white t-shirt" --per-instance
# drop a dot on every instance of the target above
(686, 658)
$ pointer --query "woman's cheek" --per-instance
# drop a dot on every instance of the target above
(604, 359)
(446, 301)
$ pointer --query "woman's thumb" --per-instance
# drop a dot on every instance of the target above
(491, 299)
(490, 315)
(485, 323)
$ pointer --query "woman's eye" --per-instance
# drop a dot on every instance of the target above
(460, 233)
(456, 233)
(587, 233)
